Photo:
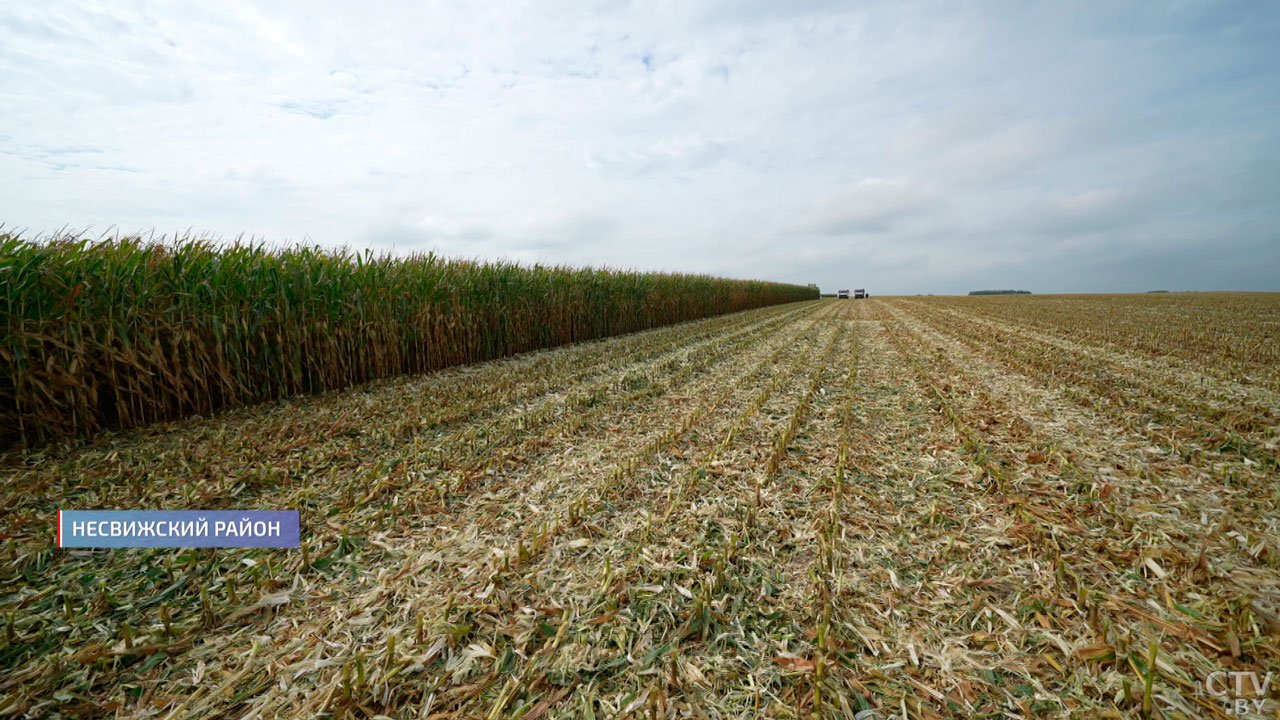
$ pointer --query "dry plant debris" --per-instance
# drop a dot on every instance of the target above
(1005, 507)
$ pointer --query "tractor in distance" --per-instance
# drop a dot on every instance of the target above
(842, 295)
(859, 294)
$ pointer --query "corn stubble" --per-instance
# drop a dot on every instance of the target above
(919, 508)
(122, 333)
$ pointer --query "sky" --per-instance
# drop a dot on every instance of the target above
(905, 147)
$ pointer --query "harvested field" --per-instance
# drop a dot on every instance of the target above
(988, 507)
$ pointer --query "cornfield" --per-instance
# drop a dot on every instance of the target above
(923, 508)
(125, 332)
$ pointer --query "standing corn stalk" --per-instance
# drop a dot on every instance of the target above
(125, 332)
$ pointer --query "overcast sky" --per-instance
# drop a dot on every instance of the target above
(908, 147)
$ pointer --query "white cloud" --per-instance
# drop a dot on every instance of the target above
(914, 144)
(870, 206)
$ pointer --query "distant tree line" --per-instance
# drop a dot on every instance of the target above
(1000, 292)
